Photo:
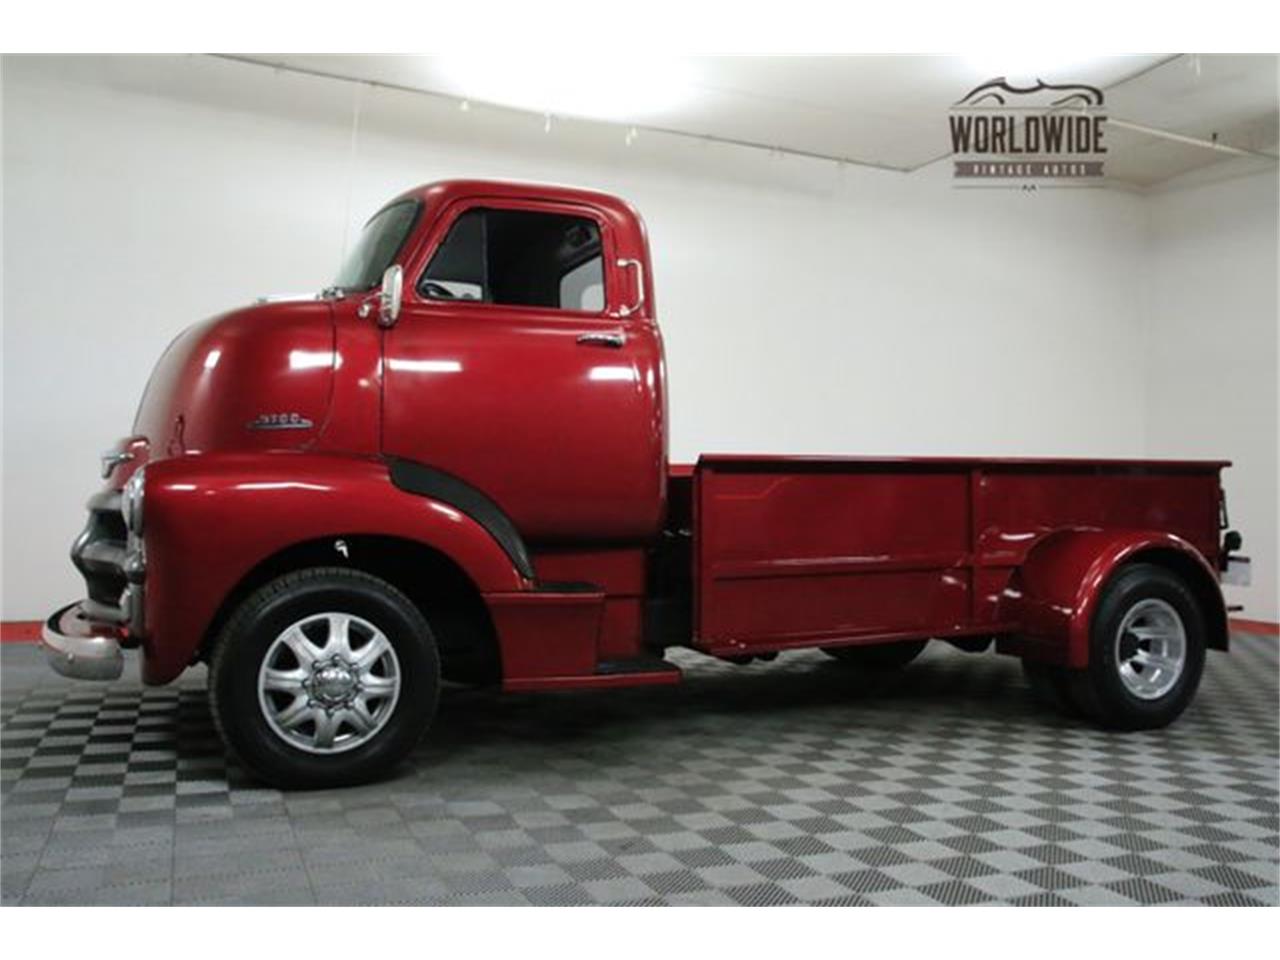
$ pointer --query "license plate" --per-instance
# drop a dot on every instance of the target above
(1239, 572)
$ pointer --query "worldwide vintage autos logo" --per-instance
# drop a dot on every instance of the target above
(1046, 134)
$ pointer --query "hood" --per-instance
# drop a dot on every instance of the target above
(259, 378)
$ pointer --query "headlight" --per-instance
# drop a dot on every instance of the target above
(131, 501)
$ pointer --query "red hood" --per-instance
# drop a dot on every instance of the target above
(258, 378)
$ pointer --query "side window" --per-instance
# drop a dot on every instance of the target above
(582, 288)
(457, 271)
(520, 258)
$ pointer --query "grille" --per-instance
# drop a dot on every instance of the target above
(99, 553)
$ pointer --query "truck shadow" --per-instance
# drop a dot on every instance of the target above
(799, 694)
(722, 720)
(718, 705)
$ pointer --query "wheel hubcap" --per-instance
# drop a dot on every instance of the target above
(332, 684)
(1151, 649)
(329, 683)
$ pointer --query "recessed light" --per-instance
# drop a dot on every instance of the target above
(614, 89)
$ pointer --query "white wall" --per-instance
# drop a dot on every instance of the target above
(1211, 350)
(807, 308)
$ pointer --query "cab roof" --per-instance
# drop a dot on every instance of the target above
(446, 191)
(627, 225)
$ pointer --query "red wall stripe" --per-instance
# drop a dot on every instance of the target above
(1256, 626)
(28, 631)
(19, 631)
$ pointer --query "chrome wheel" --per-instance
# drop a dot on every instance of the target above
(329, 683)
(1151, 649)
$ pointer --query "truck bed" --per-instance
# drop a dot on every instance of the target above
(798, 551)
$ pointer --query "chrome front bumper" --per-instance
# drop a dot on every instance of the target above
(81, 648)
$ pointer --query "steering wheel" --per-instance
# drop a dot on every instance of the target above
(437, 291)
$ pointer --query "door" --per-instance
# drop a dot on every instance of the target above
(512, 369)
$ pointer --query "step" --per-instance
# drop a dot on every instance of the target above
(638, 665)
(637, 672)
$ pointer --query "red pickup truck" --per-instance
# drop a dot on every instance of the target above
(452, 464)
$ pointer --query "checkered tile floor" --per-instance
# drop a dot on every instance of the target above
(783, 783)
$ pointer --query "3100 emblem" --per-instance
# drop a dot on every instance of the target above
(279, 421)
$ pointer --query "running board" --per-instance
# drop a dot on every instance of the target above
(638, 672)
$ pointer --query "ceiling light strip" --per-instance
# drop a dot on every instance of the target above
(627, 126)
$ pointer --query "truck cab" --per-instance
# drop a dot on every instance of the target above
(452, 464)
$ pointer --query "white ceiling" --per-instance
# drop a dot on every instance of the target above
(887, 111)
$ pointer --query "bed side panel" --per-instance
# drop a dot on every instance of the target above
(791, 552)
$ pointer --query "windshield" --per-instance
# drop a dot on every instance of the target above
(381, 240)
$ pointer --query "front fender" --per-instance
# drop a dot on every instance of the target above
(1056, 591)
(211, 519)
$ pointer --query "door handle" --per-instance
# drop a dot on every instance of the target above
(614, 339)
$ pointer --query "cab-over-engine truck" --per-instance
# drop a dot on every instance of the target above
(453, 464)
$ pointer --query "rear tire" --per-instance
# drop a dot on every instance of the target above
(324, 677)
(881, 657)
(1146, 651)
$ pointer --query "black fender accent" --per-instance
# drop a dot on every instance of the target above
(425, 481)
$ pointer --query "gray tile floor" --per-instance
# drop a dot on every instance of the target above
(790, 782)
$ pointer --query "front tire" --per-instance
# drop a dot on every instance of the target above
(324, 677)
(1146, 651)
(879, 658)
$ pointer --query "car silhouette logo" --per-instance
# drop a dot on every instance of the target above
(998, 92)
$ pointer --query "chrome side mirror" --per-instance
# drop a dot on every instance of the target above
(390, 295)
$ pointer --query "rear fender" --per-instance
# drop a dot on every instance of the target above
(1055, 593)
(211, 519)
